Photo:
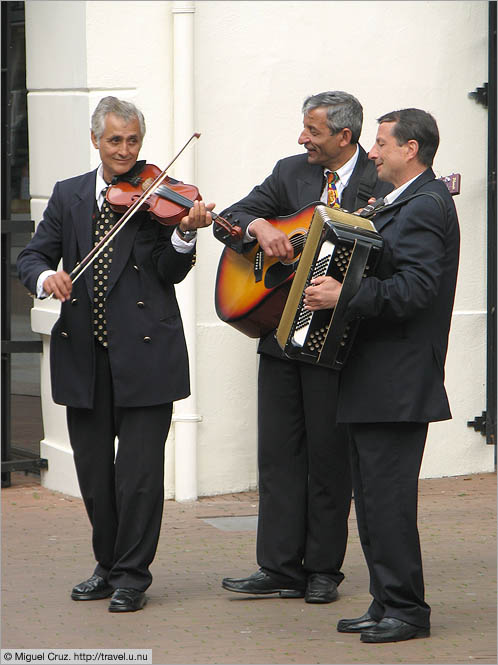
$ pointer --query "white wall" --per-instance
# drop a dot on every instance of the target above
(264, 58)
(254, 63)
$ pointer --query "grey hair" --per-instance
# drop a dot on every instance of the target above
(125, 110)
(343, 111)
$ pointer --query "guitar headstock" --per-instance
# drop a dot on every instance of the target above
(452, 182)
(225, 229)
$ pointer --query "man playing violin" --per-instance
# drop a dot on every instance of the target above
(303, 458)
(118, 352)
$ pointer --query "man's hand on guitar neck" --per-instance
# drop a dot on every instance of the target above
(323, 293)
(272, 241)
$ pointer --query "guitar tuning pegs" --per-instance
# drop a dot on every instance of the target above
(452, 182)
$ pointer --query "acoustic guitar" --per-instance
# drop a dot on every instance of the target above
(251, 288)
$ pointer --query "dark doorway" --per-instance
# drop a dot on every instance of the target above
(22, 427)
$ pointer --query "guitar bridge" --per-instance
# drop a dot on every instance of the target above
(258, 265)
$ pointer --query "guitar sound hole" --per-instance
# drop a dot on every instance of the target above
(297, 241)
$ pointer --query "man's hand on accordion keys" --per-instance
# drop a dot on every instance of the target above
(323, 293)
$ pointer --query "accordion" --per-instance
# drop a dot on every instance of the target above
(347, 248)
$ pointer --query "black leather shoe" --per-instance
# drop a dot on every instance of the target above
(92, 589)
(127, 600)
(320, 589)
(260, 583)
(393, 630)
(358, 625)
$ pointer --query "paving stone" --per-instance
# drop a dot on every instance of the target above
(190, 619)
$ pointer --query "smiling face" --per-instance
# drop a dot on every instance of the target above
(395, 163)
(324, 148)
(119, 145)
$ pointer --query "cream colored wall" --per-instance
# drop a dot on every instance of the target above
(265, 57)
(254, 63)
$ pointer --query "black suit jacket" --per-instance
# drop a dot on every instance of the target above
(395, 371)
(294, 184)
(147, 349)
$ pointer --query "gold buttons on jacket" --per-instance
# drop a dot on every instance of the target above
(64, 334)
(147, 340)
(140, 304)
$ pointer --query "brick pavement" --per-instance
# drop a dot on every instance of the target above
(190, 619)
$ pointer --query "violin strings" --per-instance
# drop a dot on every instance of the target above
(166, 192)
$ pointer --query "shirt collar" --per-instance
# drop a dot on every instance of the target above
(392, 196)
(100, 183)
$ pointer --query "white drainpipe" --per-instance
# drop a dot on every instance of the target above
(185, 417)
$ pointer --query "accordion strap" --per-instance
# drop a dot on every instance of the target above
(376, 208)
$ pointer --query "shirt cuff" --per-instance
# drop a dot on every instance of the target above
(40, 293)
(180, 245)
(248, 237)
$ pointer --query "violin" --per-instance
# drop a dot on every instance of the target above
(144, 188)
(169, 203)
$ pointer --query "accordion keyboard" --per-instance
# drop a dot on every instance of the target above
(345, 251)
(304, 317)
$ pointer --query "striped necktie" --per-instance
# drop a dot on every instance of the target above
(332, 196)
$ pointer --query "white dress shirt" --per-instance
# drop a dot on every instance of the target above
(344, 174)
(392, 196)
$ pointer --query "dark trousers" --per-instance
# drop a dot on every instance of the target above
(304, 472)
(123, 492)
(386, 459)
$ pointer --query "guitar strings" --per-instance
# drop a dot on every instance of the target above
(298, 241)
